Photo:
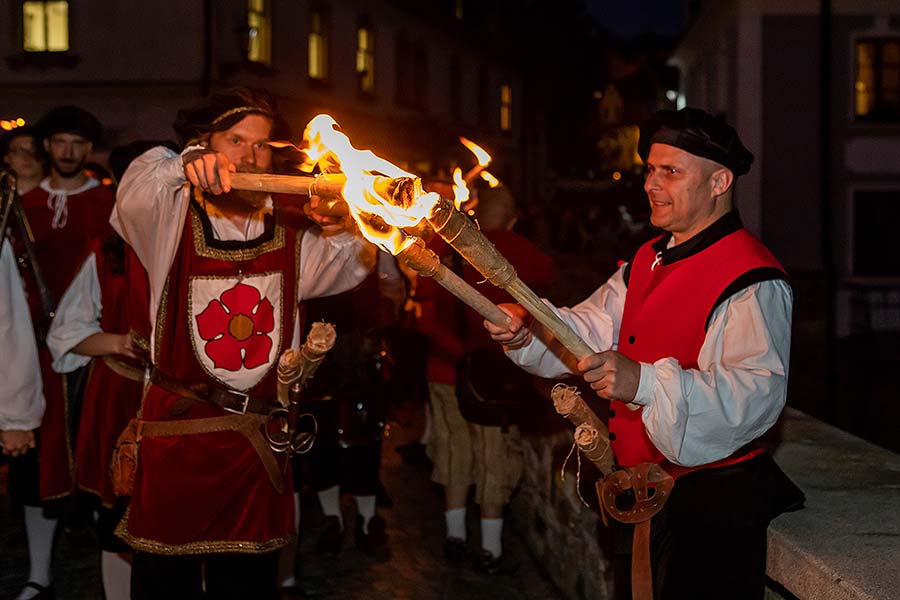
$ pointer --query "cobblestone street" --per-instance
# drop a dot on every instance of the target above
(415, 570)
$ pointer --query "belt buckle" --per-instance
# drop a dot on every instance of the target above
(243, 409)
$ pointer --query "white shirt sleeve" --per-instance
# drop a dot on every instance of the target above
(21, 389)
(596, 320)
(332, 264)
(697, 416)
(151, 205)
(77, 318)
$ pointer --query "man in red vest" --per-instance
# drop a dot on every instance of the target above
(694, 331)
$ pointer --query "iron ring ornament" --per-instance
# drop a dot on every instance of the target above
(288, 438)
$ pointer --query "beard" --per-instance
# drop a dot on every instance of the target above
(68, 168)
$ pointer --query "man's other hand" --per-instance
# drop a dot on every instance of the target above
(515, 334)
(330, 224)
(612, 375)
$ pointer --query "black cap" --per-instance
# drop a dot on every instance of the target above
(70, 119)
(698, 132)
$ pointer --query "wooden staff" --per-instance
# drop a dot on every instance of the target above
(473, 173)
(461, 233)
(426, 263)
(399, 191)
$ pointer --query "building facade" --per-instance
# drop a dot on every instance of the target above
(403, 80)
(759, 63)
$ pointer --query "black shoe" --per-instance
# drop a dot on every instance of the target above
(332, 536)
(373, 543)
(488, 564)
(455, 550)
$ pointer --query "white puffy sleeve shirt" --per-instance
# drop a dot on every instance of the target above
(21, 389)
(77, 318)
(695, 416)
(151, 205)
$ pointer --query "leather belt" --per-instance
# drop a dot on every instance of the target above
(227, 399)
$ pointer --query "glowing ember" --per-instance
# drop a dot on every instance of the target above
(480, 153)
(492, 181)
(460, 189)
(398, 202)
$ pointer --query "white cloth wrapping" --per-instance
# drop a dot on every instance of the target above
(695, 416)
(77, 318)
(21, 389)
(152, 203)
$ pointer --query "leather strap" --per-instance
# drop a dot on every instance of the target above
(641, 575)
(247, 425)
(202, 391)
(124, 370)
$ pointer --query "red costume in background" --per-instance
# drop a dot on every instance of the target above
(63, 226)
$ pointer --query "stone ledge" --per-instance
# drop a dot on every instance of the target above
(845, 545)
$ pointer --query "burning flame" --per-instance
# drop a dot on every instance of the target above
(480, 153)
(492, 181)
(460, 189)
(379, 220)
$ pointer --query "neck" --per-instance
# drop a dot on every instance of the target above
(59, 182)
(722, 207)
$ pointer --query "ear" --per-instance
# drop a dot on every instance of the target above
(47, 146)
(721, 180)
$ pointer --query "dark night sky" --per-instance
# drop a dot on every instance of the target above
(633, 17)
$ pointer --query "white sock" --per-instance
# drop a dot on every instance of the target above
(492, 536)
(456, 523)
(426, 433)
(116, 572)
(365, 505)
(40, 531)
(330, 500)
(287, 560)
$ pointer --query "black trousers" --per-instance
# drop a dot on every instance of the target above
(355, 468)
(709, 541)
(227, 576)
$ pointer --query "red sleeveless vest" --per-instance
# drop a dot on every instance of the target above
(666, 308)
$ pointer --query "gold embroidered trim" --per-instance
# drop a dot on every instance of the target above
(240, 255)
(190, 317)
(237, 111)
(298, 238)
(160, 328)
(201, 547)
(139, 340)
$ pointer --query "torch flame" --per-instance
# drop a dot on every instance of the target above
(480, 153)
(379, 221)
(460, 189)
(492, 181)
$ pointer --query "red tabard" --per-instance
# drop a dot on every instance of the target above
(59, 251)
(665, 316)
(226, 315)
(110, 400)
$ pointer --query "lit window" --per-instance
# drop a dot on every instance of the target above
(259, 32)
(365, 59)
(505, 107)
(877, 86)
(318, 45)
(45, 26)
(458, 11)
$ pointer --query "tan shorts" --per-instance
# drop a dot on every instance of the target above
(464, 453)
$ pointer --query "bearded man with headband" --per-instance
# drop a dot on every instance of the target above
(212, 504)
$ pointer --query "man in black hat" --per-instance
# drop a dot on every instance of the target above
(65, 212)
(695, 333)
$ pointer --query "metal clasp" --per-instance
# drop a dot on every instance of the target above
(243, 409)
